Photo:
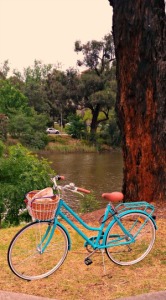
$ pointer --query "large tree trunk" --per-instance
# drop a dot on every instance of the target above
(139, 32)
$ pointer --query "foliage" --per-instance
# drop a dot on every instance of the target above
(11, 99)
(2, 148)
(35, 86)
(34, 140)
(61, 88)
(96, 53)
(29, 129)
(20, 172)
(44, 94)
(114, 133)
(77, 127)
(89, 203)
(3, 126)
(97, 90)
(66, 144)
(110, 132)
(4, 69)
(23, 121)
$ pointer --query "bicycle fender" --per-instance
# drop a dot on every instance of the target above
(123, 214)
(67, 233)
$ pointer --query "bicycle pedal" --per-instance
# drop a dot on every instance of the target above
(88, 261)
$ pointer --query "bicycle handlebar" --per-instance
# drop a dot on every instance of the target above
(71, 187)
(83, 190)
(58, 177)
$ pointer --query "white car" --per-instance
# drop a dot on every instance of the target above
(52, 131)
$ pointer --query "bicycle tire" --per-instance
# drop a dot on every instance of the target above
(134, 252)
(24, 253)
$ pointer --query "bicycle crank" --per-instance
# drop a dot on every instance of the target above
(88, 260)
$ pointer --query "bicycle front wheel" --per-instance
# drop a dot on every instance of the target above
(25, 256)
(141, 227)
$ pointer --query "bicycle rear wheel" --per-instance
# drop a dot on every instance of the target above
(139, 226)
(25, 256)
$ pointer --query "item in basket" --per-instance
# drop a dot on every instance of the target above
(31, 194)
(47, 192)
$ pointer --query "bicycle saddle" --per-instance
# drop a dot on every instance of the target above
(114, 196)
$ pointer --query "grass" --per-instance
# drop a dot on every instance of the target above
(66, 144)
(76, 281)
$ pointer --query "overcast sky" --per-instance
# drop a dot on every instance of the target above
(47, 29)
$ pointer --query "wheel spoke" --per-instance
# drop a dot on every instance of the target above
(143, 231)
(25, 256)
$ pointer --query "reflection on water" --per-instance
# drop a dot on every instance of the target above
(93, 171)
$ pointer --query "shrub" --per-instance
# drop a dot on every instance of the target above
(77, 127)
(20, 172)
(2, 148)
(34, 140)
(89, 203)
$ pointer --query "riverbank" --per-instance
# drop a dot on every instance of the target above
(66, 144)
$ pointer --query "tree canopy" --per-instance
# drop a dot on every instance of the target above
(96, 82)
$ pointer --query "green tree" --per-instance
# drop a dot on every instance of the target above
(11, 99)
(34, 88)
(97, 54)
(77, 127)
(3, 126)
(20, 172)
(4, 70)
(96, 94)
(96, 91)
(110, 131)
(29, 128)
(61, 90)
(21, 121)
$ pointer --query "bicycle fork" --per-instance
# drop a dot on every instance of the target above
(46, 238)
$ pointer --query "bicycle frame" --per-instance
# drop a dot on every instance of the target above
(99, 241)
(126, 232)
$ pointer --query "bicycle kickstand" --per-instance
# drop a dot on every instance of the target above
(88, 260)
(104, 267)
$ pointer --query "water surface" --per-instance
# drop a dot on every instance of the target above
(98, 172)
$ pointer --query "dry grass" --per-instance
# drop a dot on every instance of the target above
(76, 281)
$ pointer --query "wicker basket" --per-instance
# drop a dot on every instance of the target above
(42, 204)
(44, 208)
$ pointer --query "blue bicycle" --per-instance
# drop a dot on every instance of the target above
(126, 232)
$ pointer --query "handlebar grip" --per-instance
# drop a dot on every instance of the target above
(60, 177)
(83, 190)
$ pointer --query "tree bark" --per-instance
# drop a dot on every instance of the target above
(95, 114)
(139, 31)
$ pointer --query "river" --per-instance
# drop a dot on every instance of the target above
(97, 172)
